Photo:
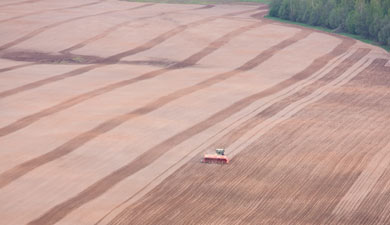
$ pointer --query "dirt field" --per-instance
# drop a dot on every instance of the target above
(106, 108)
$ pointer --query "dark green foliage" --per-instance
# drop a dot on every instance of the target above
(368, 18)
(384, 35)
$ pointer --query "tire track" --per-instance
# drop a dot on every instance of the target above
(295, 174)
(251, 123)
(314, 181)
(353, 166)
(122, 215)
(263, 170)
(125, 216)
(297, 106)
(116, 27)
(364, 183)
(329, 76)
(353, 57)
(100, 36)
(351, 161)
(205, 7)
(56, 24)
(208, 142)
(16, 67)
(169, 34)
(344, 211)
(375, 207)
(190, 61)
(319, 185)
(20, 3)
(49, 10)
(80, 140)
(97, 37)
(61, 210)
(370, 212)
(115, 58)
(209, 179)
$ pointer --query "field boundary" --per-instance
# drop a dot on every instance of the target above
(266, 2)
(206, 2)
(329, 31)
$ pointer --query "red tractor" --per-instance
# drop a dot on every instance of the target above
(219, 157)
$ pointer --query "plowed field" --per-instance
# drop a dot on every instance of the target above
(106, 108)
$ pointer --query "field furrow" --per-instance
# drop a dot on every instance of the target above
(107, 108)
(289, 170)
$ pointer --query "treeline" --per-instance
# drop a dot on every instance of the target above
(368, 18)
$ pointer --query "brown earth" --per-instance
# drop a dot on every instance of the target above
(106, 108)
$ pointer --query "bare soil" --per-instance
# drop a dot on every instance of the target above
(106, 108)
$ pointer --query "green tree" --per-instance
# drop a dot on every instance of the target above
(384, 35)
(284, 10)
(337, 18)
(369, 18)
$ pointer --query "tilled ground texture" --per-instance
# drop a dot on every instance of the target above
(106, 108)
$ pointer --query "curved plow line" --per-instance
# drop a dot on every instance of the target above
(366, 181)
(285, 93)
(336, 85)
(50, 10)
(243, 220)
(261, 13)
(275, 192)
(16, 67)
(95, 38)
(222, 130)
(101, 186)
(114, 58)
(294, 108)
(108, 125)
(289, 178)
(313, 175)
(20, 3)
(116, 27)
(56, 24)
(269, 101)
(385, 219)
(189, 61)
(143, 192)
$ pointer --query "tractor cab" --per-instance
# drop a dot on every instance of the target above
(220, 151)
